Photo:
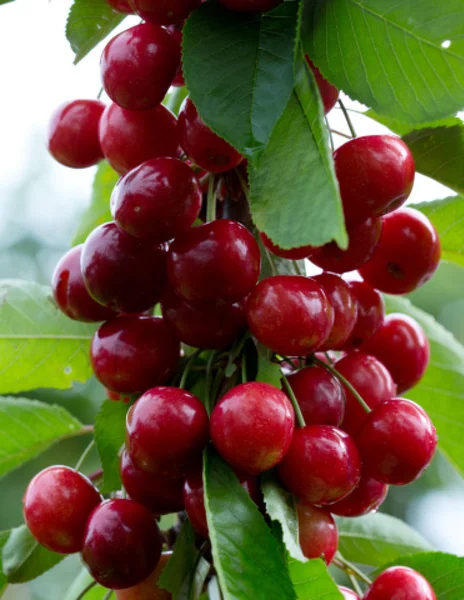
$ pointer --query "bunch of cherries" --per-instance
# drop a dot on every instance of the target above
(337, 433)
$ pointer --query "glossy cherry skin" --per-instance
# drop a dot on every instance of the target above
(252, 426)
(133, 354)
(129, 138)
(347, 593)
(290, 314)
(160, 496)
(375, 174)
(367, 497)
(122, 544)
(159, 200)
(410, 584)
(176, 32)
(397, 442)
(320, 396)
(363, 241)
(217, 261)
(203, 146)
(345, 309)
(121, 6)
(165, 12)
(166, 431)
(370, 379)
(292, 254)
(322, 465)
(57, 505)
(250, 5)
(402, 346)
(407, 254)
(329, 93)
(70, 292)
(148, 589)
(371, 314)
(72, 136)
(318, 532)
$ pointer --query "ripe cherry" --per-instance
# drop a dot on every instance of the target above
(57, 505)
(367, 497)
(122, 6)
(292, 254)
(165, 12)
(167, 430)
(371, 313)
(252, 426)
(407, 582)
(130, 138)
(397, 442)
(72, 137)
(122, 544)
(320, 396)
(133, 354)
(159, 200)
(160, 496)
(148, 589)
(203, 146)
(290, 314)
(407, 254)
(402, 346)
(250, 5)
(218, 261)
(345, 592)
(176, 32)
(322, 465)
(318, 532)
(375, 174)
(329, 93)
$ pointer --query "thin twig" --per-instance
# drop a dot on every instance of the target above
(347, 118)
(188, 367)
(288, 389)
(345, 382)
(84, 455)
(86, 589)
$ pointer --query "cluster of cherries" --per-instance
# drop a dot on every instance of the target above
(336, 433)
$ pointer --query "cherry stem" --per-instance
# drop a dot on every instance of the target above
(209, 382)
(100, 93)
(347, 118)
(86, 589)
(188, 367)
(244, 369)
(271, 261)
(96, 475)
(211, 199)
(200, 555)
(329, 360)
(341, 134)
(355, 584)
(84, 455)
(108, 595)
(345, 382)
(297, 268)
(350, 569)
(243, 185)
(332, 146)
(288, 389)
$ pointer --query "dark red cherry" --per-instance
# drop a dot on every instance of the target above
(252, 426)
(318, 532)
(290, 314)
(375, 174)
(370, 379)
(292, 254)
(320, 396)
(165, 12)
(176, 32)
(400, 580)
(322, 465)
(218, 261)
(397, 442)
(122, 544)
(133, 354)
(371, 313)
(159, 200)
(329, 93)
(72, 136)
(57, 505)
(167, 430)
(70, 292)
(203, 146)
(250, 5)
(407, 254)
(149, 588)
(130, 138)
(345, 308)
(347, 593)
(122, 6)
(363, 241)
(367, 497)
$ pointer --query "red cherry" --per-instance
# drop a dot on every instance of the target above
(203, 146)
(320, 396)
(329, 93)
(167, 430)
(345, 308)
(121, 6)
(397, 442)
(292, 254)
(176, 32)
(132, 354)
(322, 465)
(290, 314)
(70, 292)
(367, 497)
(362, 244)
(57, 505)
(410, 584)
(347, 593)
(130, 138)
(402, 346)
(318, 532)
(148, 589)
(407, 254)
(252, 426)
(250, 5)
(165, 12)
(371, 313)
(370, 379)
(116, 397)
(216, 261)
(122, 544)
(72, 136)
(375, 174)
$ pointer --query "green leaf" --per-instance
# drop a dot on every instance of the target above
(239, 70)
(110, 432)
(241, 540)
(294, 195)
(312, 580)
(404, 59)
(24, 559)
(39, 345)
(28, 427)
(377, 538)
(5, 1)
(89, 22)
(99, 210)
(401, 128)
(4, 535)
(84, 578)
(268, 372)
(271, 264)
